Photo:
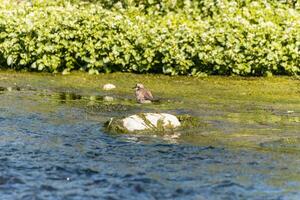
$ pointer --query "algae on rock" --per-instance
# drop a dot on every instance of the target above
(154, 122)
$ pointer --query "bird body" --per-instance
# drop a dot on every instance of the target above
(142, 94)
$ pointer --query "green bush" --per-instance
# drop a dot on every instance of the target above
(187, 37)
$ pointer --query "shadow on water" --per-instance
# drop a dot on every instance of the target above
(52, 145)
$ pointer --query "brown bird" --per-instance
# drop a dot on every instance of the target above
(142, 94)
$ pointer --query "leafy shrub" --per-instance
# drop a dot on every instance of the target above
(188, 37)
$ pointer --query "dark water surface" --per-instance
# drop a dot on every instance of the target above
(53, 148)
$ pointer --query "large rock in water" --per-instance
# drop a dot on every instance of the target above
(144, 121)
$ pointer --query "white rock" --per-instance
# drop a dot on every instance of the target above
(134, 123)
(109, 86)
(137, 123)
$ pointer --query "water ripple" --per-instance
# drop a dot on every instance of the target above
(57, 152)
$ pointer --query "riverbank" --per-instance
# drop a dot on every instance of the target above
(253, 38)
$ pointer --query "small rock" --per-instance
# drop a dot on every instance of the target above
(145, 102)
(9, 89)
(66, 72)
(108, 98)
(93, 98)
(109, 86)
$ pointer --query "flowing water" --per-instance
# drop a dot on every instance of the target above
(53, 144)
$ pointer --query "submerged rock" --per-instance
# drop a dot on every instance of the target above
(9, 89)
(108, 98)
(109, 86)
(143, 122)
(14, 88)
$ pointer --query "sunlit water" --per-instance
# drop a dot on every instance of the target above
(53, 149)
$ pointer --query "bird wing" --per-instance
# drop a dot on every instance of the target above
(148, 95)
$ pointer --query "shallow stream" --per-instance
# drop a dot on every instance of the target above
(53, 145)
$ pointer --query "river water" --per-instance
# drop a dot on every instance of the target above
(53, 146)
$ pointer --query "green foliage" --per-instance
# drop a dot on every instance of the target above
(171, 36)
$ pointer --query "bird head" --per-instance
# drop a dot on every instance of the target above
(139, 86)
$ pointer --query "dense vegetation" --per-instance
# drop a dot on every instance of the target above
(225, 37)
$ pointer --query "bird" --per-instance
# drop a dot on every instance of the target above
(142, 94)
